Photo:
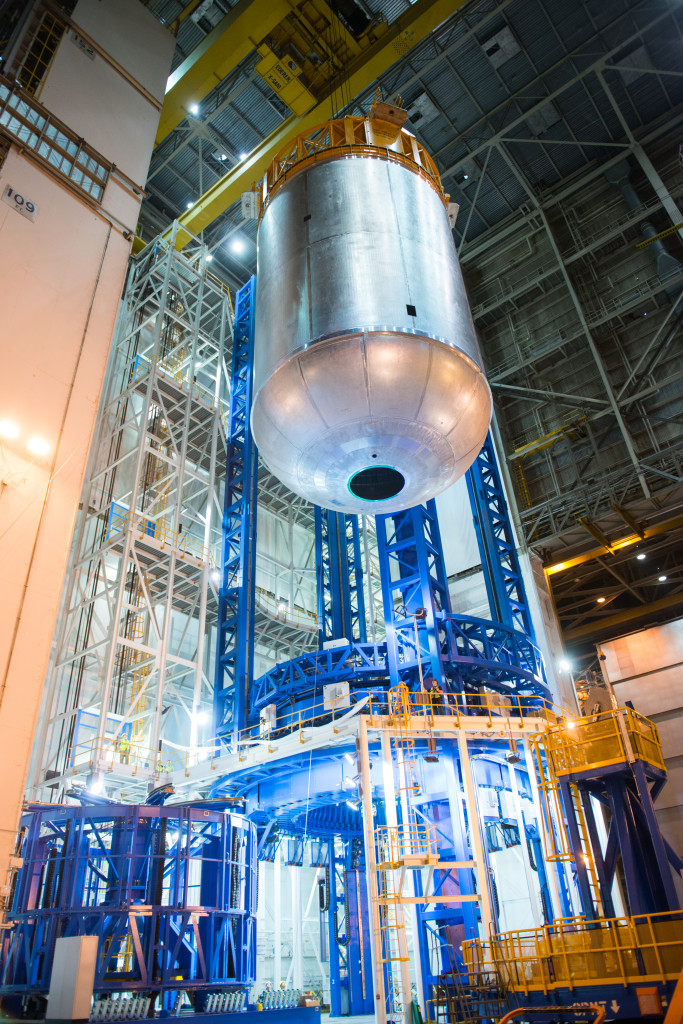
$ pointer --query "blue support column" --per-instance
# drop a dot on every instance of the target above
(341, 602)
(338, 936)
(496, 540)
(235, 649)
(414, 593)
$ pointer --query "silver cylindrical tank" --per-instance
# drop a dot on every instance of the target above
(369, 393)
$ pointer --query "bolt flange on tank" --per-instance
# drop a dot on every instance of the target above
(369, 392)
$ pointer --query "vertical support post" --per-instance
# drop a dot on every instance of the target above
(561, 906)
(392, 823)
(235, 647)
(336, 1008)
(661, 865)
(412, 567)
(496, 542)
(277, 919)
(582, 879)
(368, 577)
(297, 929)
(341, 601)
(371, 873)
(486, 904)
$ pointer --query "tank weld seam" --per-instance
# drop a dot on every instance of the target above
(382, 329)
(310, 395)
(366, 378)
(426, 381)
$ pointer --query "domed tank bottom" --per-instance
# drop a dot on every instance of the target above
(373, 421)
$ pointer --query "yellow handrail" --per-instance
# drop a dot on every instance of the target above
(571, 951)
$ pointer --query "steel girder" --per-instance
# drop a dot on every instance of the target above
(235, 647)
(134, 876)
(496, 541)
(422, 18)
(341, 602)
(477, 652)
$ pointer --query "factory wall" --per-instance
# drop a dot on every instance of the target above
(62, 275)
(647, 669)
(289, 928)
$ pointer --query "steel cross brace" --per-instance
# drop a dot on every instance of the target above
(235, 648)
(341, 602)
(496, 540)
(414, 593)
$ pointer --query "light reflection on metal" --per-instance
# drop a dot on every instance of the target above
(365, 352)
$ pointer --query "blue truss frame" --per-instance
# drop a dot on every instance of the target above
(235, 644)
(629, 792)
(476, 651)
(496, 540)
(87, 870)
(414, 593)
(341, 601)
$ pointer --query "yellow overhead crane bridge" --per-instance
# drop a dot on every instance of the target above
(308, 57)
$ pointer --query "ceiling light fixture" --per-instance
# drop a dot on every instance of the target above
(8, 429)
(189, 205)
(661, 579)
(237, 245)
(194, 109)
(601, 600)
(640, 557)
(37, 446)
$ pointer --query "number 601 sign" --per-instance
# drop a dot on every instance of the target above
(21, 203)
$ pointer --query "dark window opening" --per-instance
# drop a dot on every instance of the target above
(377, 483)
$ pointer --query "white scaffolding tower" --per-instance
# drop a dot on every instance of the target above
(130, 679)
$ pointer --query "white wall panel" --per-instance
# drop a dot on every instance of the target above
(647, 669)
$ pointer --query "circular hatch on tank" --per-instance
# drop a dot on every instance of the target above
(377, 483)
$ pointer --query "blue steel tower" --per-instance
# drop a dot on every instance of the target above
(481, 690)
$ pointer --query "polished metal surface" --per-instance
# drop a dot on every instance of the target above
(365, 351)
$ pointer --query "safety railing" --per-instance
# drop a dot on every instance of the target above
(111, 754)
(142, 366)
(405, 845)
(183, 543)
(433, 704)
(53, 142)
(598, 741)
(383, 711)
(297, 618)
(348, 136)
(573, 952)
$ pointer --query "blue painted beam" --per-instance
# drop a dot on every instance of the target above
(235, 647)
(341, 601)
(496, 540)
(414, 593)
